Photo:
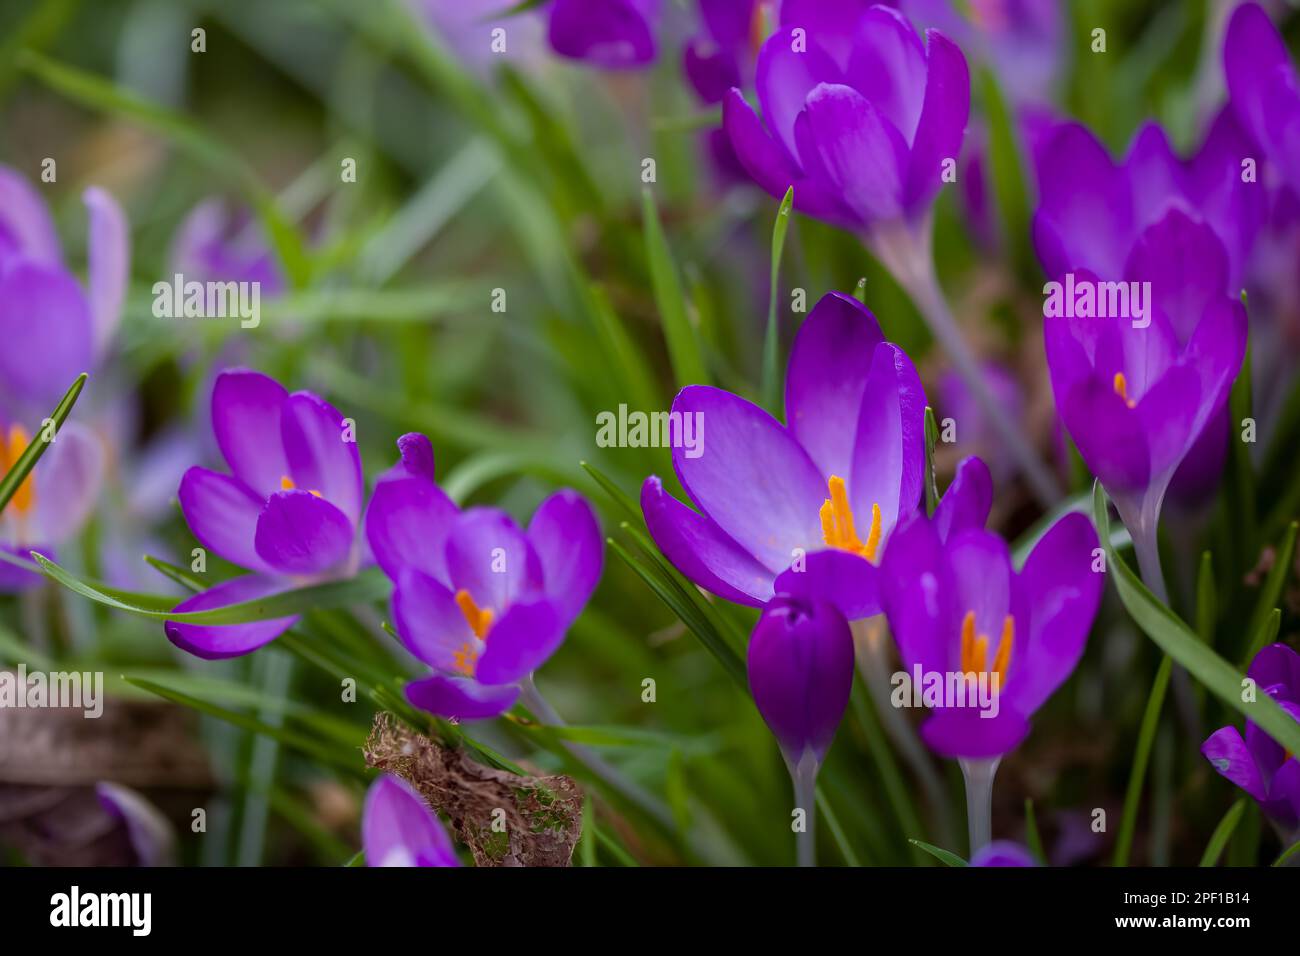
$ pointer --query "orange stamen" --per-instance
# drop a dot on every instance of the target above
(838, 529)
(1121, 389)
(286, 484)
(11, 449)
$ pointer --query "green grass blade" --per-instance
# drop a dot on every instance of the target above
(1141, 757)
(1223, 833)
(369, 585)
(931, 480)
(1287, 854)
(1032, 836)
(1207, 605)
(946, 857)
(1269, 595)
(772, 339)
(683, 340)
(12, 480)
(1175, 639)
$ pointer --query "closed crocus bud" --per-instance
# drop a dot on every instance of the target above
(801, 673)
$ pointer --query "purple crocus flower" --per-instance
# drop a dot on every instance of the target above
(1003, 853)
(805, 508)
(152, 838)
(1258, 764)
(54, 328)
(479, 600)
(288, 511)
(1264, 87)
(399, 829)
(801, 673)
(959, 607)
(721, 56)
(612, 34)
(52, 503)
(859, 115)
(216, 243)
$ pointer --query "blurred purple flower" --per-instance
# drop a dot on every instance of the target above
(806, 508)
(974, 432)
(859, 116)
(152, 838)
(946, 600)
(479, 600)
(800, 673)
(399, 829)
(288, 512)
(52, 327)
(215, 243)
(1264, 87)
(721, 56)
(613, 34)
(1258, 764)
(1003, 853)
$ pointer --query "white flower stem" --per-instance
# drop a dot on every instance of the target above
(979, 775)
(906, 253)
(633, 792)
(804, 777)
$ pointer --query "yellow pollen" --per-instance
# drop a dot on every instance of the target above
(480, 619)
(464, 660)
(974, 650)
(11, 449)
(838, 529)
(1121, 389)
(286, 484)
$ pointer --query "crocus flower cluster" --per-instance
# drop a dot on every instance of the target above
(959, 606)
(1257, 763)
(860, 115)
(288, 511)
(806, 508)
(481, 601)
(399, 829)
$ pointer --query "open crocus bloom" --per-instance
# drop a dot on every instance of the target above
(801, 674)
(479, 600)
(614, 34)
(52, 327)
(53, 502)
(1258, 764)
(958, 607)
(1264, 87)
(399, 829)
(859, 116)
(288, 511)
(1136, 399)
(804, 508)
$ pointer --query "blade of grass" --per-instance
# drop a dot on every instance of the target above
(1032, 836)
(1207, 609)
(1223, 833)
(939, 853)
(14, 478)
(931, 481)
(683, 340)
(1141, 757)
(1269, 595)
(772, 338)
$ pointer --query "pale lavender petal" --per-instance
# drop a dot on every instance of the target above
(399, 829)
(488, 556)
(109, 253)
(25, 223)
(68, 479)
(943, 120)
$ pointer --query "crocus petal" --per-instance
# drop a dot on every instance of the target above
(1254, 58)
(615, 34)
(322, 452)
(824, 23)
(824, 383)
(1283, 803)
(888, 67)
(1003, 853)
(889, 448)
(429, 622)
(68, 481)
(861, 151)
(1277, 664)
(407, 523)
(246, 411)
(698, 548)
(219, 641)
(109, 254)
(416, 453)
(1216, 352)
(800, 673)
(1110, 436)
(1155, 175)
(1063, 592)
(943, 120)
(916, 591)
(152, 838)
(1228, 754)
(399, 829)
(783, 78)
(753, 479)
(1186, 265)
(461, 698)
(983, 581)
(965, 733)
(566, 537)
(25, 221)
(845, 580)
(222, 513)
(520, 642)
(1085, 204)
(45, 325)
(488, 556)
(967, 501)
(770, 164)
(301, 534)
